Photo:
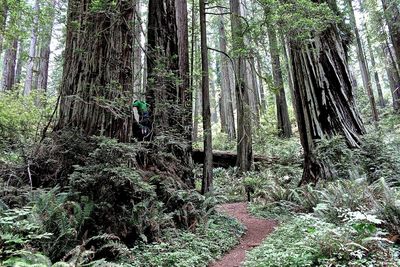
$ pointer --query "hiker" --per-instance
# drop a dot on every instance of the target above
(141, 115)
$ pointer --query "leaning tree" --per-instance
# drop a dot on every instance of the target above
(324, 94)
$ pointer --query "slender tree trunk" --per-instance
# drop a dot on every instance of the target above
(324, 98)
(284, 127)
(256, 90)
(393, 76)
(376, 75)
(363, 64)
(226, 87)
(43, 73)
(137, 51)
(20, 61)
(197, 111)
(207, 184)
(244, 128)
(32, 50)
(392, 16)
(289, 72)
(99, 75)
(9, 63)
(261, 84)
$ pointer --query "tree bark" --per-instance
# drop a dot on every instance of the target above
(392, 16)
(32, 50)
(20, 62)
(284, 127)
(393, 75)
(45, 51)
(366, 77)
(244, 127)
(324, 98)
(261, 84)
(207, 182)
(137, 52)
(184, 90)
(9, 63)
(226, 87)
(98, 70)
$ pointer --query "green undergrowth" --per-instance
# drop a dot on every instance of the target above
(186, 249)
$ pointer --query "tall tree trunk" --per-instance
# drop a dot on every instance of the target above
(20, 62)
(226, 87)
(99, 75)
(256, 90)
(184, 91)
(3, 20)
(366, 78)
(288, 70)
(392, 16)
(9, 63)
(137, 52)
(284, 127)
(207, 184)
(32, 50)
(261, 84)
(324, 98)
(43, 73)
(244, 128)
(376, 75)
(393, 75)
(197, 111)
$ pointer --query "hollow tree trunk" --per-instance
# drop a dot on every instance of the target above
(324, 98)
(207, 182)
(366, 77)
(32, 50)
(226, 86)
(244, 128)
(98, 70)
(284, 127)
(9, 63)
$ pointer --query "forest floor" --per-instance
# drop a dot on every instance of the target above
(257, 230)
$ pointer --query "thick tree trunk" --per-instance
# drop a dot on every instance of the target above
(392, 15)
(9, 63)
(324, 98)
(284, 127)
(32, 50)
(98, 70)
(244, 128)
(366, 77)
(226, 87)
(164, 92)
(207, 182)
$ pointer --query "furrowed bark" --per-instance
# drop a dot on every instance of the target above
(324, 98)
(9, 63)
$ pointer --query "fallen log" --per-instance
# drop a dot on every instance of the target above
(225, 159)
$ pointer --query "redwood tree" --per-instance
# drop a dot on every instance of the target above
(97, 70)
(324, 97)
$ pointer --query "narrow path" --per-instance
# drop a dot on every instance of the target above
(257, 230)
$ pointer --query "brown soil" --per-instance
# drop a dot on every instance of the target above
(257, 230)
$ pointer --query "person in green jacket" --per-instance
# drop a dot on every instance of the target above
(141, 115)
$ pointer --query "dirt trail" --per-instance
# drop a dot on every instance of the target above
(257, 230)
